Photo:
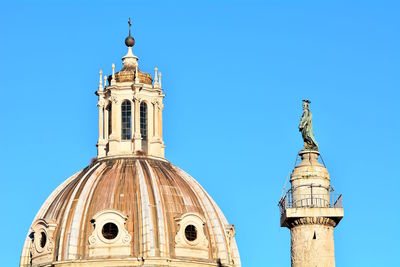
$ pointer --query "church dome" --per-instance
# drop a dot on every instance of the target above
(130, 206)
(130, 211)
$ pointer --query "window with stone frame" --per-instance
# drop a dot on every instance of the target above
(143, 120)
(126, 129)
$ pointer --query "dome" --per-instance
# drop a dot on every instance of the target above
(130, 206)
(127, 74)
(130, 211)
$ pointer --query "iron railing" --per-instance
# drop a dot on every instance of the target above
(311, 200)
(338, 202)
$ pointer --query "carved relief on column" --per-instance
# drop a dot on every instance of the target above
(312, 220)
(312, 244)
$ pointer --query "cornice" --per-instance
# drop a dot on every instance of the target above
(312, 221)
(131, 157)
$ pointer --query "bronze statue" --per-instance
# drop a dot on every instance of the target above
(305, 127)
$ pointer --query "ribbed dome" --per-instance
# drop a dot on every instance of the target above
(161, 217)
(127, 74)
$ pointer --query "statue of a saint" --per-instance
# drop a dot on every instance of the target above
(305, 127)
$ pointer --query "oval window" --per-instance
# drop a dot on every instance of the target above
(110, 231)
(191, 232)
(43, 239)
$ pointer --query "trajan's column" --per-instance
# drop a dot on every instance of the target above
(309, 208)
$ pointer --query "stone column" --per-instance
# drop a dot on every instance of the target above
(115, 136)
(150, 122)
(312, 242)
(137, 135)
(160, 131)
(101, 144)
(116, 120)
(101, 121)
(160, 125)
(106, 124)
(308, 213)
(154, 107)
(133, 109)
(156, 119)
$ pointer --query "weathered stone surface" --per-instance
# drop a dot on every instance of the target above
(150, 201)
(310, 215)
(312, 245)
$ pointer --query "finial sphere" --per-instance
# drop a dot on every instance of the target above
(129, 41)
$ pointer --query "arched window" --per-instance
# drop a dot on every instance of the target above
(143, 120)
(126, 120)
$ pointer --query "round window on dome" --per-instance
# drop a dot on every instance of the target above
(191, 232)
(110, 231)
(43, 239)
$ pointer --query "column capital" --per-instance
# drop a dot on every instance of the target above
(137, 99)
(101, 103)
(114, 99)
(156, 102)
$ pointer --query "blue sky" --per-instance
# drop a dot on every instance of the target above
(234, 73)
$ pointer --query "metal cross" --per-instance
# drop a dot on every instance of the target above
(129, 22)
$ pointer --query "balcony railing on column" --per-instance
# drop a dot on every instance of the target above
(310, 200)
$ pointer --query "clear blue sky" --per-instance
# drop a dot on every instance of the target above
(234, 74)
